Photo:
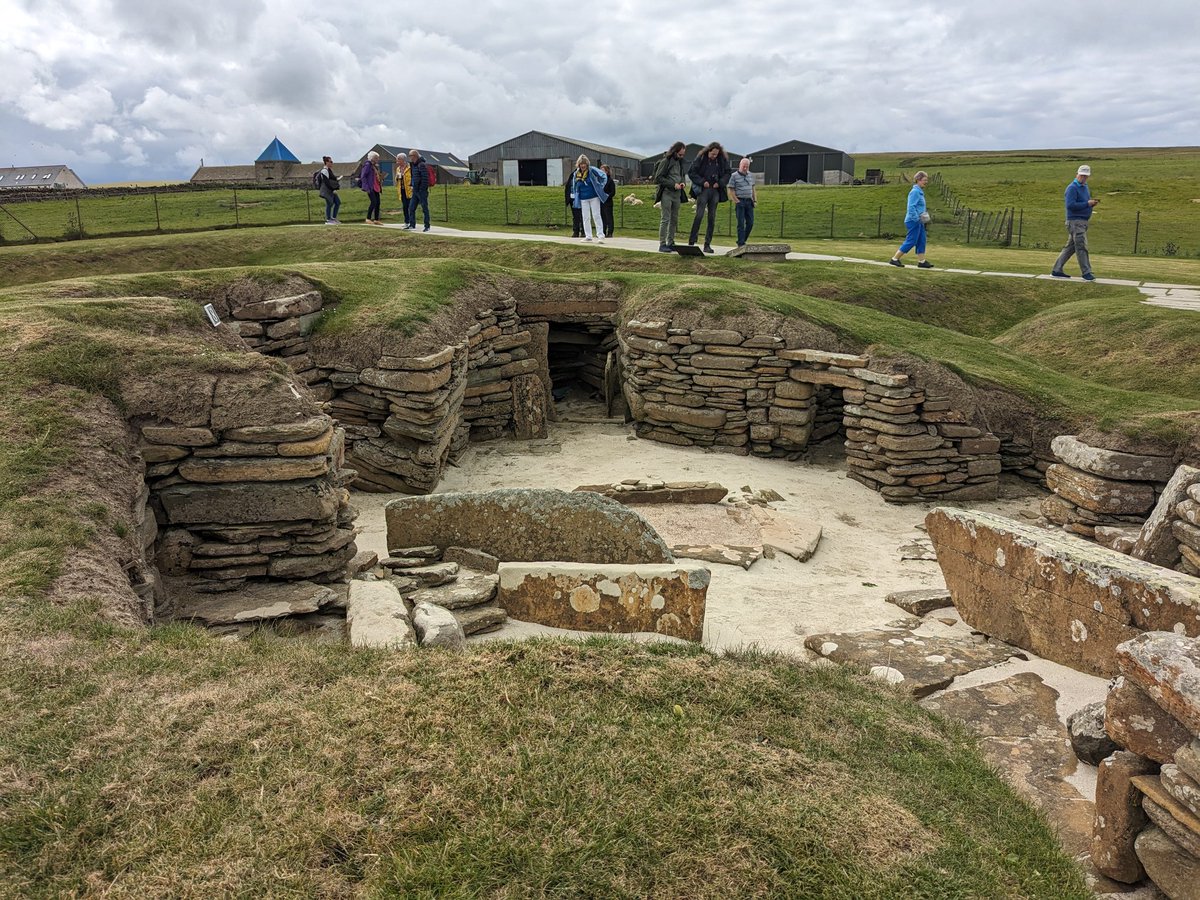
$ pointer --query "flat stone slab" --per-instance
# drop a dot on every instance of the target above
(918, 663)
(472, 590)
(480, 619)
(789, 535)
(1167, 667)
(1111, 463)
(253, 602)
(527, 524)
(761, 252)
(660, 599)
(1064, 598)
(638, 492)
(377, 617)
(730, 535)
(1156, 543)
(922, 601)
(1175, 871)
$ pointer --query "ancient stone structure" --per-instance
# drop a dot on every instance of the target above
(1171, 536)
(753, 394)
(1147, 820)
(527, 524)
(1064, 598)
(662, 599)
(761, 252)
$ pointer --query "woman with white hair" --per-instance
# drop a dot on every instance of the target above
(915, 220)
(371, 181)
(589, 189)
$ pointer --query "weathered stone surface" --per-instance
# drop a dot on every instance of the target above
(685, 415)
(183, 437)
(480, 619)
(919, 664)
(1089, 740)
(161, 453)
(1187, 758)
(761, 252)
(663, 599)
(223, 470)
(250, 502)
(469, 558)
(282, 432)
(1137, 723)
(1181, 786)
(527, 525)
(529, 408)
(922, 601)
(909, 442)
(1175, 871)
(1021, 734)
(1156, 543)
(418, 363)
(825, 357)
(790, 535)
(1104, 495)
(1111, 463)
(377, 617)
(1064, 598)
(253, 602)
(1176, 820)
(317, 446)
(430, 575)
(1119, 816)
(405, 381)
(473, 590)
(363, 561)
(1167, 667)
(280, 307)
(311, 566)
(437, 627)
(660, 492)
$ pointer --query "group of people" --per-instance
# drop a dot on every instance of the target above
(713, 182)
(412, 185)
(1077, 199)
(590, 183)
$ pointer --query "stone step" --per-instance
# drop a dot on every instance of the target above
(432, 576)
(471, 589)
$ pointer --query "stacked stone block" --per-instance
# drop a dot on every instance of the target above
(1097, 487)
(1171, 536)
(1147, 821)
(280, 326)
(500, 356)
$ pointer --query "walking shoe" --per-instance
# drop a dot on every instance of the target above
(896, 263)
(599, 240)
(587, 240)
(1057, 274)
(708, 249)
(425, 229)
(329, 222)
(924, 264)
(1089, 277)
(664, 248)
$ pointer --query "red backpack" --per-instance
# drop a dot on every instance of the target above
(432, 171)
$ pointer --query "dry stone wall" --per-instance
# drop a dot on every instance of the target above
(750, 393)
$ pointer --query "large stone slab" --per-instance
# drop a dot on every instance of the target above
(1167, 667)
(1181, 786)
(476, 589)
(1102, 495)
(761, 252)
(662, 599)
(920, 664)
(1156, 543)
(1119, 816)
(636, 492)
(253, 602)
(249, 502)
(1137, 723)
(921, 601)
(529, 408)
(1111, 463)
(437, 627)
(1064, 598)
(527, 524)
(377, 617)
(1180, 823)
(1173, 869)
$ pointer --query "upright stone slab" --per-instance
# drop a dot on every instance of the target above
(1119, 816)
(527, 524)
(1157, 543)
(529, 408)
(1137, 723)
(1167, 667)
(1173, 869)
(662, 599)
(377, 617)
(1066, 599)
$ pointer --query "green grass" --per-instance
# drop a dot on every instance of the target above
(164, 762)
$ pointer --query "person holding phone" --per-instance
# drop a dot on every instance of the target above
(1079, 202)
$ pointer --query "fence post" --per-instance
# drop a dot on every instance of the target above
(506, 206)
(78, 218)
(968, 210)
(1021, 226)
(831, 207)
(308, 204)
(237, 219)
(157, 218)
(1137, 230)
(782, 207)
(446, 199)
(1008, 235)
(879, 223)
(622, 205)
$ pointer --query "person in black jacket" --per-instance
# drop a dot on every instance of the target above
(419, 182)
(709, 175)
(576, 213)
(606, 208)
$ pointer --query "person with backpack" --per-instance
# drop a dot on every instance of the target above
(327, 186)
(420, 180)
(669, 194)
(370, 181)
(709, 175)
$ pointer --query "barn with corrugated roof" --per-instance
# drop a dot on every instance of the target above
(539, 158)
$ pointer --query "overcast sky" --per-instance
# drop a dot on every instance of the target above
(143, 89)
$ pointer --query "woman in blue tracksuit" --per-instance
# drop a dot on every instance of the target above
(915, 220)
(589, 189)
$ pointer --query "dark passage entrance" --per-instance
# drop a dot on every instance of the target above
(793, 168)
(583, 370)
(531, 171)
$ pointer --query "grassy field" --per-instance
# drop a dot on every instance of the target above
(165, 762)
(1162, 184)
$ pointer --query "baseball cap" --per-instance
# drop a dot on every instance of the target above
(1084, 170)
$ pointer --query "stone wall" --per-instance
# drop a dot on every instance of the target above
(749, 393)
(1171, 536)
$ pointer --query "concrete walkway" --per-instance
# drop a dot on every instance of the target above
(1172, 296)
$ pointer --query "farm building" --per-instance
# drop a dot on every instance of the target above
(689, 153)
(450, 169)
(44, 177)
(795, 161)
(538, 158)
(275, 165)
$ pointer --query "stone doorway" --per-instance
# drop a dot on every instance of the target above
(584, 370)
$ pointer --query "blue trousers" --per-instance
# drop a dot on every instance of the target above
(422, 198)
(332, 205)
(914, 238)
(744, 210)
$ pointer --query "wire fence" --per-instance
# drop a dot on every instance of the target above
(782, 213)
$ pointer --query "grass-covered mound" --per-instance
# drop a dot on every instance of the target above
(165, 762)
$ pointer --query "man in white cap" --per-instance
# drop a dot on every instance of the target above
(1079, 205)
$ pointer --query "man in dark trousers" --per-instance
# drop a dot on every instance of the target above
(709, 175)
(576, 213)
(1079, 203)
(669, 194)
(420, 189)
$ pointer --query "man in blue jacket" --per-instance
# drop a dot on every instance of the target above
(1079, 205)
(420, 190)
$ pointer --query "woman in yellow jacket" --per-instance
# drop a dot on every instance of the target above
(404, 189)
